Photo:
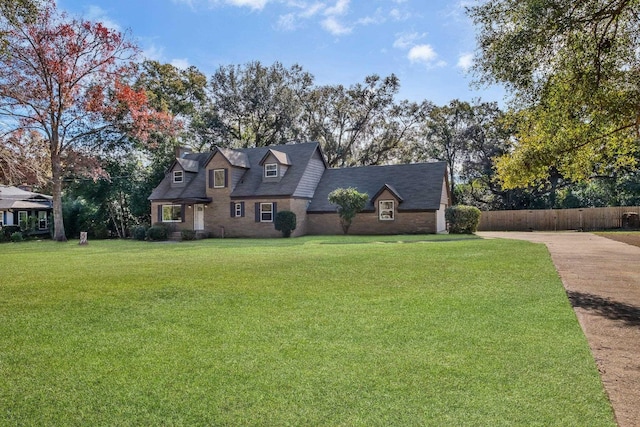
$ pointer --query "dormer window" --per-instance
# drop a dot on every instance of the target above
(271, 170)
(178, 177)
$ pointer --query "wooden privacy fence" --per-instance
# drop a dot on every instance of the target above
(586, 219)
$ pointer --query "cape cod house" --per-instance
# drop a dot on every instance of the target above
(237, 193)
(18, 206)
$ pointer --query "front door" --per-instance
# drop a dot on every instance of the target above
(198, 217)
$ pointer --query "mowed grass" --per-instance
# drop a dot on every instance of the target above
(314, 331)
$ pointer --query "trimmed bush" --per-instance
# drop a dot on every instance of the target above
(462, 219)
(188, 235)
(157, 233)
(8, 230)
(139, 232)
(285, 222)
(17, 237)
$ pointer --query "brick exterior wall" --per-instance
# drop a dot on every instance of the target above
(368, 223)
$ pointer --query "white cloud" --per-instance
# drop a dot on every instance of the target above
(340, 8)
(153, 53)
(287, 22)
(311, 10)
(398, 15)
(181, 63)
(97, 14)
(406, 40)
(422, 53)
(253, 4)
(378, 18)
(334, 27)
(465, 61)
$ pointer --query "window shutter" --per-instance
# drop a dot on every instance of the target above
(275, 211)
(226, 177)
(159, 213)
(210, 178)
(242, 209)
(232, 210)
(257, 212)
(182, 212)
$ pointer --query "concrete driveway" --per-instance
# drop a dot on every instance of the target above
(602, 280)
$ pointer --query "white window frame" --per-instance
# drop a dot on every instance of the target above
(1, 219)
(217, 184)
(237, 207)
(177, 174)
(266, 212)
(271, 170)
(23, 216)
(172, 207)
(42, 216)
(386, 210)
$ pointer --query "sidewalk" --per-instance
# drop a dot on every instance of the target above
(602, 280)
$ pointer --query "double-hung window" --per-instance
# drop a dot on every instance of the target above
(171, 213)
(178, 177)
(238, 209)
(219, 178)
(43, 222)
(266, 212)
(385, 211)
(22, 219)
(271, 170)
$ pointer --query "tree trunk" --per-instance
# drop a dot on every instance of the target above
(58, 222)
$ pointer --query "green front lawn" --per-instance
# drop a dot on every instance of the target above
(326, 331)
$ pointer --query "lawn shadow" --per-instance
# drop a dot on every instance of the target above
(605, 307)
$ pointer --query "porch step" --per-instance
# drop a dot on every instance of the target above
(176, 236)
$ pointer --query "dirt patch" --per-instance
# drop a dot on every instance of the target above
(630, 238)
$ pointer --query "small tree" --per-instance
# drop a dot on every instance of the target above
(285, 222)
(349, 202)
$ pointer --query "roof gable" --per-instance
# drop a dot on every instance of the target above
(389, 188)
(280, 157)
(188, 165)
(194, 183)
(235, 157)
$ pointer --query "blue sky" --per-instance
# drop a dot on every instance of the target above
(428, 44)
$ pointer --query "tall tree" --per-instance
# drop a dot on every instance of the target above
(63, 77)
(345, 120)
(446, 137)
(256, 105)
(574, 70)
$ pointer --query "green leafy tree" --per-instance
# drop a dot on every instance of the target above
(574, 72)
(255, 105)
(345, 121)
(446, 137)
(66, 79)
(350, 201)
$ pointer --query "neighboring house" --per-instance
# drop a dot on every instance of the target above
(17, 206)
(237, 193)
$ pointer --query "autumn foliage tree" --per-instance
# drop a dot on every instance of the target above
(66, 79)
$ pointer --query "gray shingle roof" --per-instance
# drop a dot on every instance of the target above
(194, 182)
(419, 184)
(17, 198)
(235, 157)
(252, 184)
